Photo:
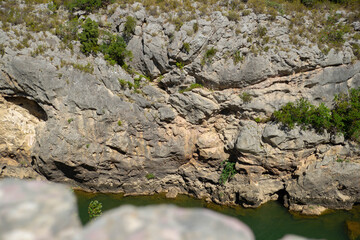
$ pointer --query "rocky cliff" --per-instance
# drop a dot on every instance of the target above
(72, 118)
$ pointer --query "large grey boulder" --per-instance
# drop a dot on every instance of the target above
(164, 223)
(37, 210)
(332, 183)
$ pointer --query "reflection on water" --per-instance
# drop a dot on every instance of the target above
(270, 221)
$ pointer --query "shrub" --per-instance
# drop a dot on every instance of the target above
(196, 27)
(246, 12)
(191, 87)
(122, 82)
(209, 54)
(228, 171)
(94, 209)
(261, 31)
(233, 16)
(89, 37)
(150, 176)
(246, 97)
(114, 50)
(178, 23)
(2, 49)
(67, 32)
(346, 114)
(87, 5)
(180, 65)
(185, 47)
(344, 117)
(237, 57)
(356, 50)
(303, 113)
(129, 27)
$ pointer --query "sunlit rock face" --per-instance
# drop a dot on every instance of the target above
(94, 130)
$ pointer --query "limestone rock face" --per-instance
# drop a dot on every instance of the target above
(196, 98)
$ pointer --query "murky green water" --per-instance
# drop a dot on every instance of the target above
(270, 221)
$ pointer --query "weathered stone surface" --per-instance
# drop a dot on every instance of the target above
(164, 222)
(330, 184)
(193, 107)
(249, 138)
(294, 139)
(95, 132)
(37, 210)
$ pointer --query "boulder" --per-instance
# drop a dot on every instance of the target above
(164, 222)
(37, 210)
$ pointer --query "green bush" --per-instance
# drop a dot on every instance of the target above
(2, 49)
(186, 47)
(237, 57)
(209, 54)
(246, 97)
(344, 117)
(129, 28)
(346, 114)
(306, 115)
(196, 27)
(87, 5)
(261, 31)
(228, 171)
(89, 37)
(150, 176)
(68, 31)
(114, 50)
(94, 209)
(191, 87)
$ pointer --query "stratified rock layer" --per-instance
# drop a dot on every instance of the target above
(94, 132)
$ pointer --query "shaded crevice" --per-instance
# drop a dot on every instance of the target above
(68, 171)
(33, 107)
(116, 149)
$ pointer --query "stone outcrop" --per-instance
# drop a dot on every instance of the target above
(90, 130)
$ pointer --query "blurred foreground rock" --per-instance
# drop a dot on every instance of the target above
(32, 210)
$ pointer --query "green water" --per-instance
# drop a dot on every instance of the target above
(268, 222)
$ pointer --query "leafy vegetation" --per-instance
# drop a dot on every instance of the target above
(129, 28)
(114, 50)
(191, 87)
(343, 118)
(246, 97)
(228, 171)
(150, 176)
(67, 32)
(87, 5)
(237, 57)
(94, 209)
(186, 47)
(209, 54)
(89, 37)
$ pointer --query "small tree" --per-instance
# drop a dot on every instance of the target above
(94, 209)
(129, 28)
(89, 37)
(114, 50)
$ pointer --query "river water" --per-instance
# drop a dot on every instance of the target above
(268, 222)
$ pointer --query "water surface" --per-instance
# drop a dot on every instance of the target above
(268, 222)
